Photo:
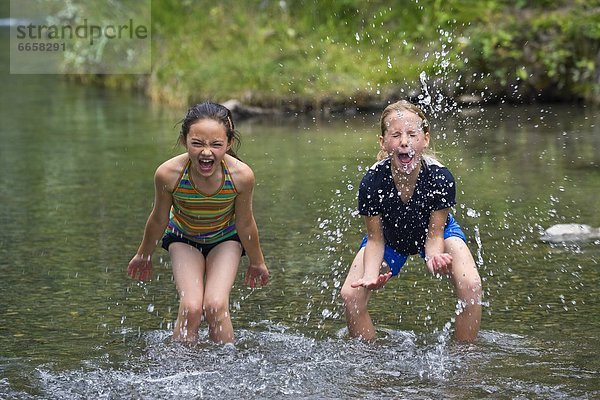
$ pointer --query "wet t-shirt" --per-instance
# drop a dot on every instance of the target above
(405, 224)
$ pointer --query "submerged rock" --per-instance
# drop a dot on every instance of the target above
(570, 233)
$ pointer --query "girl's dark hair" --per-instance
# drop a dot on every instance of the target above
(214, 111)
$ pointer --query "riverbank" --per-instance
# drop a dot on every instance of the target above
(332, 56)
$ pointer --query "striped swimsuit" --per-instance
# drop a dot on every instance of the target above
(204, 219)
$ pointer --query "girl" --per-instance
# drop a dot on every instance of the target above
(204, 200)
(405, 199)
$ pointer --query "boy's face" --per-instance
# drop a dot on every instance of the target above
(404, 140)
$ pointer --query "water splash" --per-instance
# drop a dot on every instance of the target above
(425, 97)
(479, 254)
(268, 364)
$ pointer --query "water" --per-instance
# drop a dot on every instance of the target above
(76, 167)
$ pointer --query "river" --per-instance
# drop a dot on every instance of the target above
(76, 166)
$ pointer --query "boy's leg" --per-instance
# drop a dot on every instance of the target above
(356, 300)
(467, 286)
(188, 272)
(221, 269)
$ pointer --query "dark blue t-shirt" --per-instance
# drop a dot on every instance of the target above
(405, 224)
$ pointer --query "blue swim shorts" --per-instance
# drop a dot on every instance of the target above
(396, 260)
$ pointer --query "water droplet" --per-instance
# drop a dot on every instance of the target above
(472, 213)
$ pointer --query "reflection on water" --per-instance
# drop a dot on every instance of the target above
(76, 168)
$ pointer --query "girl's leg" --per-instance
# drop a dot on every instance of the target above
(188, 272)
(221, 269)
(356, 300)
(467, 286)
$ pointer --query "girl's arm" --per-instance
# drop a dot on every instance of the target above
(140, 266)
(247, 229)
(437, 261)
(373, 256)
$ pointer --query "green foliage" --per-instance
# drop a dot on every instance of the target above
(311, 53)
(539, 52)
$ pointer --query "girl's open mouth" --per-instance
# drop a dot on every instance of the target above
(206, 165)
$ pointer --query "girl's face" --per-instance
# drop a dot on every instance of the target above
(206, 144)
(404, 140)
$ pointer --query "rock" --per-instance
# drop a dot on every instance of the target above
(469, 99)
(570, 233)
(240, 110)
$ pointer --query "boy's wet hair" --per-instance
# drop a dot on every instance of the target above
(398, 107)
(216, 112)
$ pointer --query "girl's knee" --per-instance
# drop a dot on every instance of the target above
(191, 311)
(190, 307)
(216, 308)
(188, 321)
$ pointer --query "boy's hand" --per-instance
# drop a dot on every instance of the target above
(375, 283)
(440, 264)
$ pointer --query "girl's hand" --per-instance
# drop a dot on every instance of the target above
(376, 283)
(256, 273)
(140, 267)
(439, 264)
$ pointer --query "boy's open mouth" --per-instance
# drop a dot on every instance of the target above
(405, 158)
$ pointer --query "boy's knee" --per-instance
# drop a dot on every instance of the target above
(470, 287)
(353, 298)
(348, 294)
(474, 283)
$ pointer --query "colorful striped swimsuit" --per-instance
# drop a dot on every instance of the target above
(205, 219)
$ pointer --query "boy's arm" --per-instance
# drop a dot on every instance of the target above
(373, 255)
(437, 260)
